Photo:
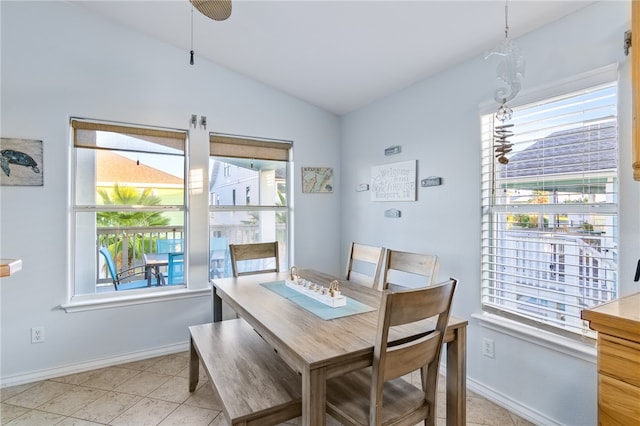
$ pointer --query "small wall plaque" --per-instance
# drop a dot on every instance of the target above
(393, 213)
(393, 150)
(362, 187)
(431, 181)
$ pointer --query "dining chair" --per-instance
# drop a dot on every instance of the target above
(379, 395)
(364, 263)
(169, 245)
(175, 268)
(406, 269)
(124, 280)
(248, 259)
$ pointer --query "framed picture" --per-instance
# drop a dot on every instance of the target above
(317, 179)
(21, 162)
(394, 181)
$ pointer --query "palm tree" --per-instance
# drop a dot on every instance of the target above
(125, 195)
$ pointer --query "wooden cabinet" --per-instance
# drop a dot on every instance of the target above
(618, 327)
(9, 266)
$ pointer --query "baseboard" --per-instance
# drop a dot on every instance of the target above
(50, 373)
(490, 394)
(507, 403)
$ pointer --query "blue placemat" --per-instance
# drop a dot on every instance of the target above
(317, 308)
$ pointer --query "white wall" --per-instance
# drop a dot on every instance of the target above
(437, 122)
(58, 60)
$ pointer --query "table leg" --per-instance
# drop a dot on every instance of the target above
(159, 276)
(314, 397)
(217, 306)
(148, 274)
(194, 368)
(457, 378)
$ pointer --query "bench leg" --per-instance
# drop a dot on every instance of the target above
(194, 368)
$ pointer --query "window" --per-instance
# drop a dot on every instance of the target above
(261, 170)
(128, 197)
(549, 231)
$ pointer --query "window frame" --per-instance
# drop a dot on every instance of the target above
(222, 145)
(90, 301)
(602, 76)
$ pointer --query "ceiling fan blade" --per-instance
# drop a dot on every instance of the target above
(218, 10)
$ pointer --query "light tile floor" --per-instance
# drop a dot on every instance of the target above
(155, 392)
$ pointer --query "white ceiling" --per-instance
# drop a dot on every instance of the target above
(338, 55)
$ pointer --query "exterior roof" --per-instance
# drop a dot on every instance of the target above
(563, 152)
(113, 167)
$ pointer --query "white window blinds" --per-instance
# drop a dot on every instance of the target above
(549, 231)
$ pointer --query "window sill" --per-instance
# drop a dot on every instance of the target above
(584, 349)
(130, 298)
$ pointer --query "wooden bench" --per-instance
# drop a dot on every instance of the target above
(255, 386)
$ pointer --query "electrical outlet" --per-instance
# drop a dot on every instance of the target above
(488, 348)
(37, 334)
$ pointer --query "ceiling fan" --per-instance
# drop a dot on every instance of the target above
(218, 10)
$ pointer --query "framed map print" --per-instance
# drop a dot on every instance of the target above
(317, 179)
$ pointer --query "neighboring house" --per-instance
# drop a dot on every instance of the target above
(567, 149)
(111, 167)
(233, 184)
(236, 183)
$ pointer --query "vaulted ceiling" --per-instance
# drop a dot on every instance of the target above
(338, 55)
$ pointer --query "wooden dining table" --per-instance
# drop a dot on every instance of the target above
(319, 349)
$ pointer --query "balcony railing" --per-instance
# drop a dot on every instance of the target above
(129, 245)
(553, 276)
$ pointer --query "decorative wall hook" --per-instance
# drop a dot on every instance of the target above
(627, 42)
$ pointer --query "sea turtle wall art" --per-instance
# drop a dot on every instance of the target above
(21, 162)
